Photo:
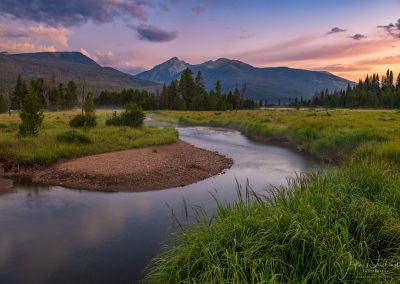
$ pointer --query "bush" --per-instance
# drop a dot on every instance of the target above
(81, 120)
(73, 137)
(90, 120)
(77, 121)
(133, 116)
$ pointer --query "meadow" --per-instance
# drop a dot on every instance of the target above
(57, 140)
(332, 226)
(331, 135)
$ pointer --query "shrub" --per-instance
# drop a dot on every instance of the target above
(81, 120)
(133, 116)
(90, 120)
(73, 137)
(77, 121)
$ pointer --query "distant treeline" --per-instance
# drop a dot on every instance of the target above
(51, 95)
(187, 93)
(373, 92)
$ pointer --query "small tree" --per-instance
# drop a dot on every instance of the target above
(88, 118)
(90, 111)
(31, 114)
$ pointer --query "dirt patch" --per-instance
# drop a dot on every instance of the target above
(151, 168)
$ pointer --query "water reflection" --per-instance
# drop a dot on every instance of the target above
(56, 235)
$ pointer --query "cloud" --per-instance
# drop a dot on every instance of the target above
(357, 36)
(245, 36)
(19, 47)
(381, 60)
(27, 38)
(335, 30)
(85, 52)
(198, 10)
(392, 29)
(306, 49)
(73, 12)
(344, 68)
(154, 34)
(106, 59)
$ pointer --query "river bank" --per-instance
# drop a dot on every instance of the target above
(300, 234)
(151, 168)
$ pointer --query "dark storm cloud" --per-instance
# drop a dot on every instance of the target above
(357, 36)
(335, 30)
(154, 34)
(73, 12)
(392, 29)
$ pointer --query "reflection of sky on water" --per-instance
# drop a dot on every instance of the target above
(55, 235)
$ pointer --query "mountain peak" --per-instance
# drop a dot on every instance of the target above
(167, 69)
(174, 59)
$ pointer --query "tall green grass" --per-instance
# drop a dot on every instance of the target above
(327, 227)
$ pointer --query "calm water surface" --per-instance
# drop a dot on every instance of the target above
(57, 235)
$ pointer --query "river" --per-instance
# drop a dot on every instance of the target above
(50, 234)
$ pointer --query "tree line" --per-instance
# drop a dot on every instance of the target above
(372, 92)
(52, 96)
(187, 93)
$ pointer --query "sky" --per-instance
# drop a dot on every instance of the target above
(347, 38)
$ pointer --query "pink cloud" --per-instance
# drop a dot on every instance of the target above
(32, 38)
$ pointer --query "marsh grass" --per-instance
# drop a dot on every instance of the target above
(327, 227)
(57, 141)
(333, 135)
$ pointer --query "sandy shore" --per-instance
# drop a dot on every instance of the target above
(151, 168)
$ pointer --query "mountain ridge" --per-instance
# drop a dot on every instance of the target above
(66, 66)
(266, 83)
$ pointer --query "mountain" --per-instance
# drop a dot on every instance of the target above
(65, 66)
(166, 71)
(271, 83)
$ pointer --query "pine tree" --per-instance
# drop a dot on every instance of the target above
(71, 95)
(391, 80)
(88, 105)
(3, 104)
(187, 87)
(398, 83)
(54, 99)
(218, 88)
(31, 113)
(200, 85)
(236, 98)
(164, 98)
(18, 94)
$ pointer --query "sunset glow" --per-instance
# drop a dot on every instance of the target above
(347, 38)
